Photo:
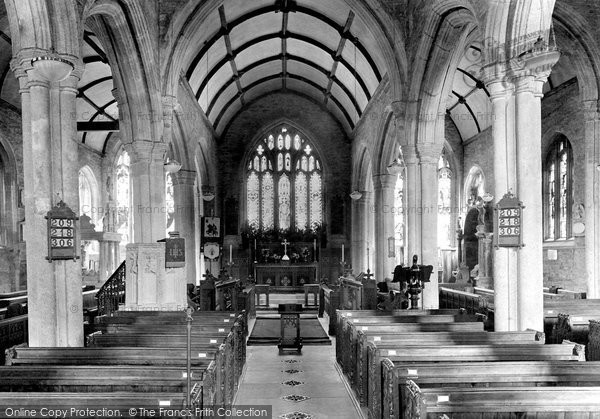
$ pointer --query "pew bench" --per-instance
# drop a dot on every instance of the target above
(593, 346)
(221, 381)
(537, 402)
(81, 401)
(405, 356)
(348, 339)
(99, 378)
(480, 374)
(574, 328)
(360, 375)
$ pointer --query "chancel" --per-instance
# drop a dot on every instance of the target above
(419, 180)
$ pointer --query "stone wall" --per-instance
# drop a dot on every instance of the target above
(564, 262)
(308, 116)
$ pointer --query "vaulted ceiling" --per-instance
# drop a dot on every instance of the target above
(314, 48)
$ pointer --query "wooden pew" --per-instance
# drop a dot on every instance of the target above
(347, 331)
(13, 331)
(82, 401)
(574, 328)
(572, 307)
(98, 378)
(351, 337)
(403, 356)
(538, 402)
(220, 381)
(393, 341)
(593, 346)
(342, 315)
(480, 374)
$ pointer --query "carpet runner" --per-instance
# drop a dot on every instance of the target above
(267, 331)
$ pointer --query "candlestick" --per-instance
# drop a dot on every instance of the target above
(230, 252)
(343, 252)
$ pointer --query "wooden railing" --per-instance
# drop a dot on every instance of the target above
(112, 292)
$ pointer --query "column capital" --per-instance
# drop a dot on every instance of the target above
(535, 66)
(121, 100)
(366, 196)
(410, 155)
(385, 180)
(429, 153)
(184, 177)
(146, 150)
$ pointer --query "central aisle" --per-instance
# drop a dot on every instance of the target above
(322, 394)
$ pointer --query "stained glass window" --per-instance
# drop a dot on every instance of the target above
(169, 203)
(399, 219)
(291, 195)
(285, 201)
(444, 202)
(252, 195)
(558, 199)
(316, 199)
(123, 222)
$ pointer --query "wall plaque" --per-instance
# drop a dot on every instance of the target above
(62, 243)
(508, 222)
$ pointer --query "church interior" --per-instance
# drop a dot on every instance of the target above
(303, 208)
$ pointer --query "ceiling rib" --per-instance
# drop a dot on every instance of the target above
(267, 37)
(230, 54)
(95, 47)
(290, 57)
(275, 77)
(338, 55)
(285, 9)
(462, 100)
(274, 8)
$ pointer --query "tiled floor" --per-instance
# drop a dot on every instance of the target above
(321, 394)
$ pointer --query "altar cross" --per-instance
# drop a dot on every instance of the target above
(285, 245)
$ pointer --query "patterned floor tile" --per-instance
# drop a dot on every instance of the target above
(295, 398)
(292, 383)
(296, 415)
(292, 371)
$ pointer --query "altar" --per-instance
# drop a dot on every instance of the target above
(286, 277)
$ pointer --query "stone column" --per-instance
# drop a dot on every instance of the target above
(429, 155)
(50, 175)
(515, 88)
(505, 177)
(592, 197)
(412, 208)
(360, 217)
(384, 225)
(530, 280)
(146, 279)
(185, 218)
(148, 190)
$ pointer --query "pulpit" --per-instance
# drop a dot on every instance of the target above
(290, 339)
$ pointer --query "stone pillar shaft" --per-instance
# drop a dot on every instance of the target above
(429, 223)
(148, 190)
(50, 175)
(529, 169)
(384, 225)
(185, 218)
(505, 263)
(360, 232)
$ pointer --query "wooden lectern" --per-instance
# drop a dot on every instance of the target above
(290, 328)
